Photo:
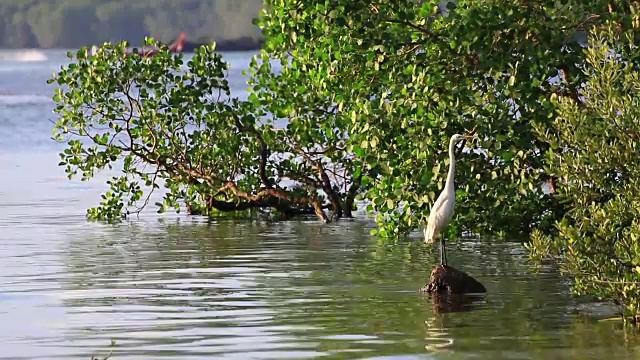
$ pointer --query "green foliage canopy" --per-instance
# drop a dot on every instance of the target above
(594, 153)
(176, 125)
(405, 78)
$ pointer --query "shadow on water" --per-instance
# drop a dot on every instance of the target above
(185, 290)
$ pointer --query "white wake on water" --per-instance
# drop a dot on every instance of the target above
(24, 55)
(22, 99)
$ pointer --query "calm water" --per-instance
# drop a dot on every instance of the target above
(176, 287)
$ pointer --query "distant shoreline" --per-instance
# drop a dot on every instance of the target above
(241, 44)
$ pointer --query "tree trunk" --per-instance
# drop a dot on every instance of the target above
(351, 197)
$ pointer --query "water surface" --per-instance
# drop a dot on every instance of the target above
(177, 287)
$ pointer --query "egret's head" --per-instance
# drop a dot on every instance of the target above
(457, 138)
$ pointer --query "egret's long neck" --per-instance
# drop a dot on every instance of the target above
(452, 166)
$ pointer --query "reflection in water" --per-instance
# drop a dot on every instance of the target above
(446, 303)
(257, 290)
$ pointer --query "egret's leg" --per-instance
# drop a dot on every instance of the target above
(444, 250)
(443, 253)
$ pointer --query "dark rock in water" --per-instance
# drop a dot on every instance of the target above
(446, 279)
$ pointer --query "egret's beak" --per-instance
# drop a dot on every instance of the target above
(471, 137)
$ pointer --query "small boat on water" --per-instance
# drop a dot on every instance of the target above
(148, 51)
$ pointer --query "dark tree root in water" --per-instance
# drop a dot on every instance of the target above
(447, 279)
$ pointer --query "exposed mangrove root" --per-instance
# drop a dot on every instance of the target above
(447, 279)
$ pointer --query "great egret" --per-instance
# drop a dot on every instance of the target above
(442, 209)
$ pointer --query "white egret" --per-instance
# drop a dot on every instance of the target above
(442, 209)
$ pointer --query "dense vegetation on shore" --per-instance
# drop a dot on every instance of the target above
(370, 94)
(75, 23)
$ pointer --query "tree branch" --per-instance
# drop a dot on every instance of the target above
(264, 152)
(413, 26)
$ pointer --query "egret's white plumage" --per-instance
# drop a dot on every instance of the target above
(442, 209)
